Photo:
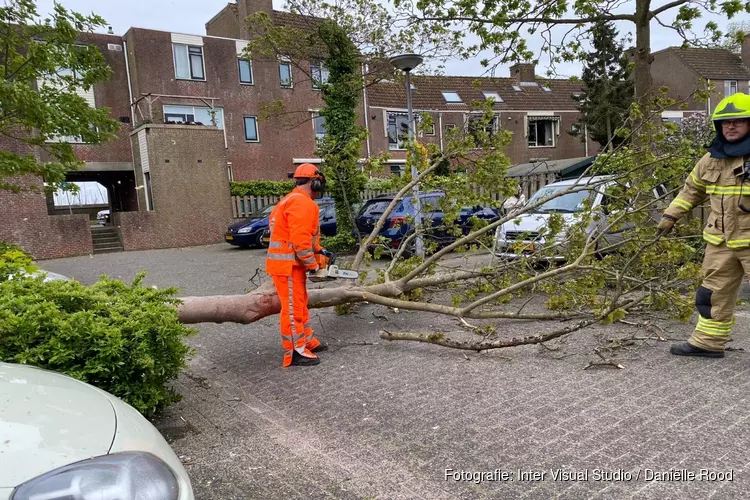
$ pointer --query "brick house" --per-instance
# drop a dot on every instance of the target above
(683, 70)
(191, 112)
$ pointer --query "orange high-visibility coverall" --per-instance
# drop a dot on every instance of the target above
(295, 239)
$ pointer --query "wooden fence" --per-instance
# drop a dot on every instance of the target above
(244, 206)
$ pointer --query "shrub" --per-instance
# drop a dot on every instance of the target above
(125, 339)
(261, 188)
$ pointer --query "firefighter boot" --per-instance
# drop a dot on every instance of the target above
(686, 349)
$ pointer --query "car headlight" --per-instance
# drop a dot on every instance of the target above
(117, 476)
(244, 230)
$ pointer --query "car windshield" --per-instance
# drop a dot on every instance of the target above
(375, 208)
(566, 204)
(263, 212)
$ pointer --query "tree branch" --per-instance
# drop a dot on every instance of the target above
(665, 7)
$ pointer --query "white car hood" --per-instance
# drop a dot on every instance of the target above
(533, 222)
(48, 420)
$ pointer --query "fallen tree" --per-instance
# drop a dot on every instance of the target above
(601, 279)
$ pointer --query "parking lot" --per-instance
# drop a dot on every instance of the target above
(405, 420)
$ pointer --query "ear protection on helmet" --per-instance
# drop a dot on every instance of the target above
(318, 183)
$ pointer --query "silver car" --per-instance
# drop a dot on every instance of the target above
(62, 439)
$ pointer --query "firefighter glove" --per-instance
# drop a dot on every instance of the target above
(666, 224)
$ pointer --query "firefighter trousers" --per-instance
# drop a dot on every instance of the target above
(723, 270)
(296, 331)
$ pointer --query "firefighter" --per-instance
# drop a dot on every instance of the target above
(294, 249)
(722, 175)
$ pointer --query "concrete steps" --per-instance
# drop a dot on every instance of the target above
(106, 240)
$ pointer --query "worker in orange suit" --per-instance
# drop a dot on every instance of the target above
(292, 251)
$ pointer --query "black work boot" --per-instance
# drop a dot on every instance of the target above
(686, 349)
(300, 360)
(320, 348)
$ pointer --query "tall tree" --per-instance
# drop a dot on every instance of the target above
(564, 27)
(736, 33)
(608, 88)
(43, 67)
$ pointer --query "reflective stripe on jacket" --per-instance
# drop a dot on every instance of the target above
(717, 180)
(294, 225)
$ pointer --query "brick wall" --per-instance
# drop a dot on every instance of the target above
(190, 188)
(566, 146)
(25, 222)
(281, 139)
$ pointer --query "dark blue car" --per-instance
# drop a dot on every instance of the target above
(397, 226)
(249, 232)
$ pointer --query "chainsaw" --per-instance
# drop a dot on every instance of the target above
(328, 271)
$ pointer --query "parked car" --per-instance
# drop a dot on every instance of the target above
(63, 439)
(523, 235)
(249, 232)
(328, 223)
(397, 226)
(253, 232)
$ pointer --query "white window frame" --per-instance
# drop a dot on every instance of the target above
(244, 128)
(315, 115)
(249, 62)
(398, 145)
(492, 94)
(193, 113)
(728, 87)
(445, 97)
(317, 67)
(495, 122)
(187, 47)
(555, 130)
(285, 61)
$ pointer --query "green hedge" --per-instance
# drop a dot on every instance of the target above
(261, 188)
(125, 339)
(280, 188)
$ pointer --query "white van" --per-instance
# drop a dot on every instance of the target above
(521, 235)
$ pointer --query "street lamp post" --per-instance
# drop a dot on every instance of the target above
(406, 63)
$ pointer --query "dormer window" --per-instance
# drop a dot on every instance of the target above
(451, 97)
(491, 94)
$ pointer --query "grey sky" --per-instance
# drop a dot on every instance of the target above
(190, 16)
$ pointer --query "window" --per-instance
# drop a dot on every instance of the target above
(194, 115)
(398, 130)
(451, 97)
(319, 123)
(449, 126)
(251, 129)
(319, 74)
(473, 125)
(246, 71)
(188, 62)
(492, 95)
(516, 88)
(285, 74)
(70, 139)
(149, 194)
(397, 170)
(730, 87)
(672, 117)
(541, 132)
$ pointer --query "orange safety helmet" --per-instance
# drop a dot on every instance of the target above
(306, 171)
(310, 171)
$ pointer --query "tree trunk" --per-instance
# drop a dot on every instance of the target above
(642, 56)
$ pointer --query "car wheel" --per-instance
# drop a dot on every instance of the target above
(259, 240)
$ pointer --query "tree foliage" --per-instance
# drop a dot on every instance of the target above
(608, 88)
(125, 339)
(43, 66)
(735, 35)
(564, 28)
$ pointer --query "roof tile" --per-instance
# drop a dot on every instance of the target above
(717, 64)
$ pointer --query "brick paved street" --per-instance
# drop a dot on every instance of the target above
(385, 420)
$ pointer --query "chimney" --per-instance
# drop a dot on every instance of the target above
(246, 8)
(746, 51)
(523, 72)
